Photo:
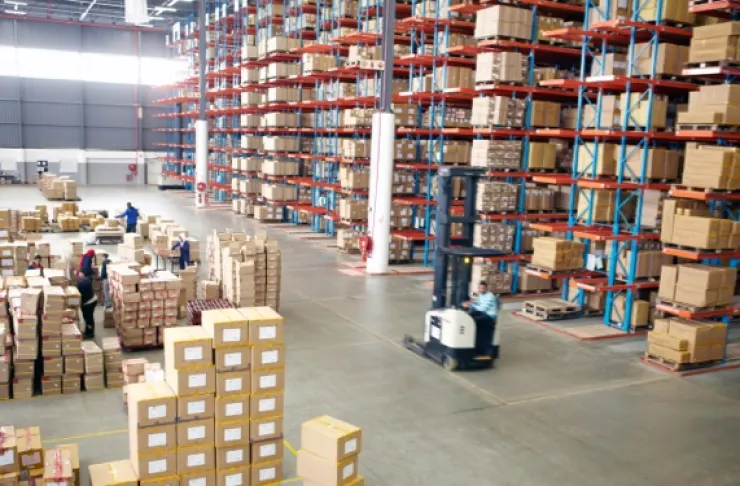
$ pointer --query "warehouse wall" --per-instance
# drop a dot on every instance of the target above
(91, 131)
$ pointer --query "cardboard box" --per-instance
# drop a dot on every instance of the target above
(232, 434)
(266, 405)
(195, 407)
(267, 473)
(196, 458)
(58, 469)
(233, 457)
(265, 325)
(331, 438)
(233, 359)
(9, 463)
(115, 473)
(187, 348)
(226, 327)
(267, 451)
(268, 381)
(30, 450)
(232, 408)
(265, 428)
(75, 456)
(161, 464)
(235, 476)
(192, 382)
(232, 383)
(161, 481)
(151, 404)
(325, 471)
(153, 440)
(268, 356)
(200, 478)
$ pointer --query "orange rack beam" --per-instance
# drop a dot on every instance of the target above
(614, 184)
(412, 235)
(508, 45)
(601, 285)
(559, 275)
(606, 234)
(623, 27)
(557, 179)
(722, 9)
(698, 255)
(687, 314)
(523, 216)
(708, 135)
(703, 195)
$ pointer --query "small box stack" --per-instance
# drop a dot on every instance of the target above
(94, 369)
(52, 318)
(329, 454)
(495, 236)
(496, 197)
(152, 417)
(239, 275)
(30, 450)
(133, 372)
(208, 290)
(73, 358)
(189, 277)
(118, 473)
(190, 373)
(113, 362)
(24, 305)
(9, 464)
(58, 467)
(697, 285)
(132, 248)
(682, 341)
(228, 331)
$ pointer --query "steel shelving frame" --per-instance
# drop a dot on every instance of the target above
(600, 34)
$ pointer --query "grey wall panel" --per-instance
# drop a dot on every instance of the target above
(10, 136)
(109, 94)
(9, 88)
(47, 35)
(112, 172)
(150, 119)
(57, 114)
(39, 136)
(9, 112)
(102, 116)
(150, 93)
(51, 90)
(6, 32)
(110, 138)
(153, 44)
(108, 41)
(151, 139)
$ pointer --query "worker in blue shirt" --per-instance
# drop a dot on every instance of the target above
(184, 246)
(484, 303)
(132, 216)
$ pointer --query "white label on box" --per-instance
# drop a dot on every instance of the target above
(231, 435)
(197, 381)
(348, 470)
(266, 429)
(233, 359)
(233, 384)
(268, 450)
(194, 353)
(267, 474)
(234, 409)
(234, 456)
(268, 332)
(195, 460)
(195, 408)
(234, 479)
(7, 458)
(266, 404)
(350, 446)
(269, 357)
(232, 335)
(157, 467)
(195, 433)
(31, 460)
(268, 381)
(197, 482)
(157, 412)
(157, 440)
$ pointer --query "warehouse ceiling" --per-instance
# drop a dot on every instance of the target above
(161, 12)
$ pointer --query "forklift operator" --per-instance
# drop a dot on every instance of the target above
(485, 303)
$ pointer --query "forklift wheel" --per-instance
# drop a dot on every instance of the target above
(450, 364)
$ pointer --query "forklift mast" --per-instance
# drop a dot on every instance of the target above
(457, 259)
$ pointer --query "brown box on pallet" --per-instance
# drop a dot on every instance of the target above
(233, 457)
(58, 468)
(30, 449)
(195, 407)
(614, 64)
(187, 348)
(153, 440)
(267, 473)
(557, 254)
(711, 167)
(149, 404)
(698, 285)
(669, 61)
(598, 158)
(331, 438)
(196, 458)
(9, 462)
(321, 470)
(639, 315)
(232, 434)
(703, 341)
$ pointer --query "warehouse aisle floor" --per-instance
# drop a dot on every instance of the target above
(554, 412)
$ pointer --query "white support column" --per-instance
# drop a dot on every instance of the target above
(201, 163)
(381, 184)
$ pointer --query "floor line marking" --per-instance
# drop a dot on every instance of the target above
(85, 436)
(290, 447)
(291, 480)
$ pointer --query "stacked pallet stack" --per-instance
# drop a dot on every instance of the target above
(52, 318)
(73, 358)
(24, 305)
(330, 453)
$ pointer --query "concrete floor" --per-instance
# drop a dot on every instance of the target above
(554, 411)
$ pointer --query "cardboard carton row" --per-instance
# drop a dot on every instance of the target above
(55, 187)
(349, 241)
(23, 460)
(697, 285)
(691, 223)
(557, 254)
(330, 452)
(494, 236)
(684, 341)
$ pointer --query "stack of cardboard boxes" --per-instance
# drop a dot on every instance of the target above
(330, 453)
(500, 67)
(683, 341)
(498, 111)
(498, 282)
(24, 305)
(112, 362)
(503, 21)
(496, 154)
(691, 223)
(717, 42)
(57, 188)
(712, 167)
(494, 236)
(132, 248)
(697, 285)
(52, 318)
(498, 197)
(557, 254)
(94, 369)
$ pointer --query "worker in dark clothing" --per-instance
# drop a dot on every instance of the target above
(104, 279)
(184, 246)
(89, 302)
(37, 265)
(132, 216)
(87, 262)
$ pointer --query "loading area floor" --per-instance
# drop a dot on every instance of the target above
(554, 412)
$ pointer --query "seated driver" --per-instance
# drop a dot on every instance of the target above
(484, 303)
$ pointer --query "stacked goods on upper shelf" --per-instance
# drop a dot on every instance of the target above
(697, 286)
(555, 254)
(692, 224)
(329, 453)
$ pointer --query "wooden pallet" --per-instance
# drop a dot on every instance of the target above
(550, 309)
(691, 308)
(726, 63)
(674, 366)
(706, 190)
(697, 250)
(709, 127)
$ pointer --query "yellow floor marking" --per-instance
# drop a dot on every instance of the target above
(291, 480)
(290, 447)
(85, 436)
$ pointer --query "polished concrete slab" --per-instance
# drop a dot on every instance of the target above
(554, 412)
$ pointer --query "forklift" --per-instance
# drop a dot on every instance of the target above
(452, 337)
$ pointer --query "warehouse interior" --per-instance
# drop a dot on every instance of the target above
(597, 198)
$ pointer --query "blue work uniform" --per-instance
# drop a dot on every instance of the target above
(184, 253)
(486, 303)
(132, 216)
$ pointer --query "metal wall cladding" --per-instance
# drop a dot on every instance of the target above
(110, 138)
(10, 111)
(109, 94)
(102, 116)
(109, 41)
(10, 136)
(51, 114)
(10, 88)
(46, 35)
(44, 136)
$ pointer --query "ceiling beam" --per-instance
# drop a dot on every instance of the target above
(87, 10)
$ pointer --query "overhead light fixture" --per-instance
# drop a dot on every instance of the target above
(16, 3)
(15, 12)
